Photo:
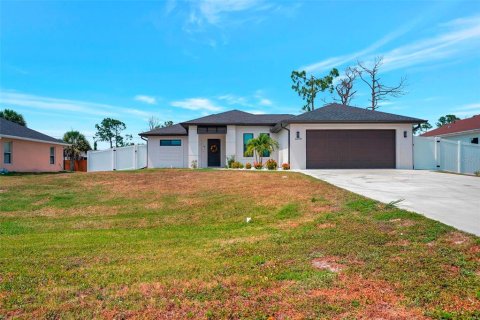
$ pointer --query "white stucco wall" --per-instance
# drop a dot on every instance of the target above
(158, 160)
(282, 138)
(256, 130)
(193, 146)
(404, 146)
(464, 137)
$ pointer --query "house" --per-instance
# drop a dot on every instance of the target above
(26, 150)
(466, 130)
(334, 136)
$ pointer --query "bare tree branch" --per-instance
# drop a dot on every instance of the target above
(378, 91)
(344, 88)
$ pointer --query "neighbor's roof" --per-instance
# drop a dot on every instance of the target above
(338, 113)
(237, 117)
(13, 130)
(457, 126)
(175, 130)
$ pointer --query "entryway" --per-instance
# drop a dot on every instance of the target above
(214, 152)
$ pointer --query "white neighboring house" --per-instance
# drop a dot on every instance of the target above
(334, 136)
(466, 130)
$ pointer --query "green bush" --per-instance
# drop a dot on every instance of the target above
(248, 165)
(236, 165)
(271, 164)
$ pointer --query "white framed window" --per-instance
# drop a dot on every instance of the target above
(52, 155)
(7, 152)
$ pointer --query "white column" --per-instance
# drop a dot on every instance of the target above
(459, 156)
(193, 146)
(437, 153)
(230, 141)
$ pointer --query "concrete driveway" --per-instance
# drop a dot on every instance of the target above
(449, 198)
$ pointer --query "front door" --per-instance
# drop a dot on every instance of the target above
(214, 152)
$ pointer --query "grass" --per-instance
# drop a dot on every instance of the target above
(175, 244)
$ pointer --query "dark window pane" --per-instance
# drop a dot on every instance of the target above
(475, 140)
(171, 143)
(7, 158)
(247, 137)
(266, 153)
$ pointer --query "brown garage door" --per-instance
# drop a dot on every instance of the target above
(355, 149)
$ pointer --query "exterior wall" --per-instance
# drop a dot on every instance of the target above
(231, 141)
(463, 137)
(404, 146)
(154, 151)
(256, 130)
(193, 144)
(203, 146)
(30, 156)
(282, 138)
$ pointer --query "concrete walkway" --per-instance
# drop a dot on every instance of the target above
(449, 198)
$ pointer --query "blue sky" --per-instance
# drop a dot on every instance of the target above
(67, 65)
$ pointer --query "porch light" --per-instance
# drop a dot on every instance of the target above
(297, 135)
(405, 134)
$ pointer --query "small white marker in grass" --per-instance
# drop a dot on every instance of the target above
(248, 219)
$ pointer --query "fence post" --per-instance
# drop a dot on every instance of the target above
(135, 157)
(459, 156)
(437, 152)
(114, 159)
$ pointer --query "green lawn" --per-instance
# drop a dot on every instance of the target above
(175, 244)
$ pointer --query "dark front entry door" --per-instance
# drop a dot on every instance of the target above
(214, 152)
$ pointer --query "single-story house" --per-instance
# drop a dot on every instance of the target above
(466, 130)
(25, 150)
(334, 136)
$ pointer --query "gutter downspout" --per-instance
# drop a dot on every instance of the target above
(141, 137)
(285, 128)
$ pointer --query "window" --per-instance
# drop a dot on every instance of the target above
(7, 152)
(171, 143)
(247, 137)
(266, 153)
(52, 155)
(474, 140)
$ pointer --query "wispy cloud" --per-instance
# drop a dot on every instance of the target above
(13, 98)
(467, 110)
(457, 37)
(145, 99)
(196, 104)
(214, 11)
(232, 99)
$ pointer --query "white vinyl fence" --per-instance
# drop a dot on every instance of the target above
(434, 153)
(123, 158)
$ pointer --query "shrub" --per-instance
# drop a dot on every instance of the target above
(258, 165)
(248, 165)
(194, 164)
(271, 164)
(230, 161)
(285, 166)
(477, 173)
(236, 165)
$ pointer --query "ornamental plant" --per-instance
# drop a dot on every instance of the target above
(258, 165)
(236, 165)
(261, 145)
(271, 164)
(248, 165)
(285, 166)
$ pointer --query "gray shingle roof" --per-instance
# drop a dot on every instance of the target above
(8, 128)
(175, 130)
(237, 117)
(338, 113)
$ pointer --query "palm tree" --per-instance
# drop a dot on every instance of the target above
(77, 144)
(13, 116)
(259, 146)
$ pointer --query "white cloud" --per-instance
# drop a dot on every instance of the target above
(212, 11)
(458, 37)
(13, 98)
(232, 99)
(145, 99)
(202, 104)
(265, 102)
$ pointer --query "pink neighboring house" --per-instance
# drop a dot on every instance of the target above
(26, 150)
